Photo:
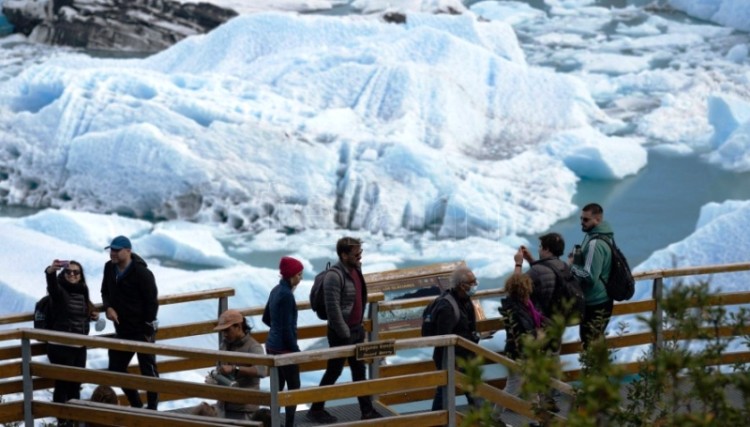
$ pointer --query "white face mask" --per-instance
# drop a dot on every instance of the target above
(472, 291)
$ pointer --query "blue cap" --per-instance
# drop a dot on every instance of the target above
(120, 242)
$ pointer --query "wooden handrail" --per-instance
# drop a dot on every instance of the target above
(163, 300)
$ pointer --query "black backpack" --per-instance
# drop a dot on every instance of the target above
(429, 327)
(620, 285)
(43, 313)
(567, 298)
(317, 294)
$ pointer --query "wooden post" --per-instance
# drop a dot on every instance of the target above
(223, 306)
(374, 366)
(449, 397)
(28, 385)
(275, 408)
(657, 295)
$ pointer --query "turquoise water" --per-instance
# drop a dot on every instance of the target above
(658, 206)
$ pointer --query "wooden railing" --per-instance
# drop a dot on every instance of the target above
(393, 383)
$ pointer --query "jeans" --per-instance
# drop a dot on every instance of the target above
(336, 366)
(119, 361)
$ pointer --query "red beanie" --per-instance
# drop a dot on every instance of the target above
(289, 267)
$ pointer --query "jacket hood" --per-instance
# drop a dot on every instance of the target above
(137, 259)
(602, 228)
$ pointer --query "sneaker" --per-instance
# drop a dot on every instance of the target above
(320, 416)
(371, 415)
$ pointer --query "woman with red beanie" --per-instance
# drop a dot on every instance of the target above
(281, 316)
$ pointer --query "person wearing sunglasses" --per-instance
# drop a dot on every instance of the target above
(130, 300)
(71, 310)
(597, 262)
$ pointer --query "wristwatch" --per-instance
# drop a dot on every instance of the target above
(236, 370)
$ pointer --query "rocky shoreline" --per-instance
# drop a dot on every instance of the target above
(113, 25)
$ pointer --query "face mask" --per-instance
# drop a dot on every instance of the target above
(472, 291)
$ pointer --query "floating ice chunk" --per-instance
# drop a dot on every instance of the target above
(738, 53)
(726, 114)
(590, 154)
(720, 232)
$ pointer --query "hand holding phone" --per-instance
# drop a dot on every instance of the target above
(62, 263)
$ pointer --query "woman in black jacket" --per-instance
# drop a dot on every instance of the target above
(521, 318)
(71, 311)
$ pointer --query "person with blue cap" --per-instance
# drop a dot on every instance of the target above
(130, 300)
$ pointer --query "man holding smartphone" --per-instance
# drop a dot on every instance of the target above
(130, 300)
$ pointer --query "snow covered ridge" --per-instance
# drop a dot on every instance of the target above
(296, 122)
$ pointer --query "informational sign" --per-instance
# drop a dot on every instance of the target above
(375, 349)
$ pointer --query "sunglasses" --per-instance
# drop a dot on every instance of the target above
(73, 272)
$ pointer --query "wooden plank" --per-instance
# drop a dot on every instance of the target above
(9, 370)
(633, 307)
(163, 300)
(106, 414)
(161, 385)
(691, 271)
(406, 396)
(14, 352)
(16, 386)
(11, 412)
(362, 388)
(387, 371)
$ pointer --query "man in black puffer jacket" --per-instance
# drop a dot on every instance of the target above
(130, 300)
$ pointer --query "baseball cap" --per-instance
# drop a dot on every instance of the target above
(229, 318)
(120, 242)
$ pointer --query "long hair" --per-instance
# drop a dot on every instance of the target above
(61, 279)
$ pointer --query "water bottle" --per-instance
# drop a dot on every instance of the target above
(577, 255)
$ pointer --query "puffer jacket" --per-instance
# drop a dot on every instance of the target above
(70, 304)
(544, 281)
(339, 298)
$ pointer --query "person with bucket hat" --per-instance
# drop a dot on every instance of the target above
(236, 337)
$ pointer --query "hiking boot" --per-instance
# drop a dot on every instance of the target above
(371, 415)
(320, 416)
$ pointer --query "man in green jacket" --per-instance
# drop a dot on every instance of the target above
(596, 260)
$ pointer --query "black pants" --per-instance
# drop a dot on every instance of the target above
(289, 376)
(595, 321)
(119, 361)
(336, 366)
(68, 356)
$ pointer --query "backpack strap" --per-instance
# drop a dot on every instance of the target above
(452, 301)
(605, 239)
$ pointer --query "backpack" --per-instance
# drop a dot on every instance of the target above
(429, 327)
(43, 314)
(620, 285)
(568, 298)
(317, 294)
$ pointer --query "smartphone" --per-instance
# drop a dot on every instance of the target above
(64, 263)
